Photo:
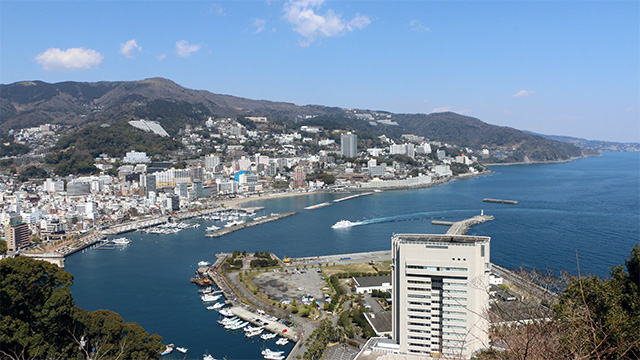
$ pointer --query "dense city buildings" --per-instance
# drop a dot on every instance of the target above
(440, 294)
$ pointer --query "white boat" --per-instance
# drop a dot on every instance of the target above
(273, 357)
(282, 341)
(121, 241)
(217, 306)
(226, 312)
(238, 326)
(254, 333)
(168, 350)
(208, 357)
(182, 350)
(210, 298)
(342, 224)
(212, 228)
(271, 352)
(203, 263)
(268, 336)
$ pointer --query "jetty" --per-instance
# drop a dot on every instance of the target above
(352, 197)
(272, 217)
(461, 227)
(500, 201)
(317, 206)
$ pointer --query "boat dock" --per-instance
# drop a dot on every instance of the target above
(500, 201)
(231, 229)
(352, 197)
(134, 225)
(461, 227)
(55, 254)
(257, 319)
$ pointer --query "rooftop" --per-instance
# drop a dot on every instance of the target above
(440, 238)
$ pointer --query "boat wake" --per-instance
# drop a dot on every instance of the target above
(428, 215)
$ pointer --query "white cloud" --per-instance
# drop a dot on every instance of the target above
(72, 59)
(162, 56)
(523, 93)
(259, 25)
(129, 48)
(415, 25)
(184, 49)
(302, 14)
(441, 109)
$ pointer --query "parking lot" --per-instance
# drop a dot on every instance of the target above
(291, 284)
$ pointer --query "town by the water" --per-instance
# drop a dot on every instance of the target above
(429, 296)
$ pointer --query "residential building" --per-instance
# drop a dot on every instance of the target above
(17, 234)
(136, 157)
(440, 294)
(349, 143)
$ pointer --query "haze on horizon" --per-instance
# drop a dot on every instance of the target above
(558, 68)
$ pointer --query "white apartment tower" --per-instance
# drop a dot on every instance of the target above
(440, 294)
(349, 145)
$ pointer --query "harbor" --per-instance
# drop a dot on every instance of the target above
(228, 230)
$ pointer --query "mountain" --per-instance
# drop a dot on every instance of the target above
(30, 103)
(598, 145)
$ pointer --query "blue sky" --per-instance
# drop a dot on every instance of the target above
(554, 67)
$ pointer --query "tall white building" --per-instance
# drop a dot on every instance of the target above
(349, 145)
(211, 161)
(440, 294)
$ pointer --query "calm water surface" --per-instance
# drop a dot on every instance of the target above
(589, 207)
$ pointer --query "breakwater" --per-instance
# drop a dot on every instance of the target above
(500, 201)
(231, 229)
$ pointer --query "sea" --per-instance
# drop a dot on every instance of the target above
(579, 216)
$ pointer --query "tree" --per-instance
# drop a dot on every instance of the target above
(3, 247)
(39, 319)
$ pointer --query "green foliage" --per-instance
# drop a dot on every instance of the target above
(3, 247)
(604, 315)
(457, 168)
(39, 318)
(358, 318)
(380, 294)
(319, 339)
(327, 178)
(10, 148)
(71, 162)
(32, 172)
(114, 140)
(305, 313)
(335, 284)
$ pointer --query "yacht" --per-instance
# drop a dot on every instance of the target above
(121, 241)
(271, 352)
(168, 350)
(254, 333)
(342, 224)
(182, 350)
(210, 298)
(204, 263)
(268, 336)
(226, 312)
(208, 357)
(282, 341)
(212, 228)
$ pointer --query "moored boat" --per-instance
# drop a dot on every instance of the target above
(182, 350)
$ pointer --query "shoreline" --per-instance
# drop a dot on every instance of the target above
(239, 202)
(542, 162)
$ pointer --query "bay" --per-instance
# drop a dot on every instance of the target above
(588, 208)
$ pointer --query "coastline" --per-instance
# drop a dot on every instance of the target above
(543, 162)
(239, 202)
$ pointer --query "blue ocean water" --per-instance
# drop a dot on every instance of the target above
(589, 208)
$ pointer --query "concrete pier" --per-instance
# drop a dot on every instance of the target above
(134, 225)
(257, 319)
(461, 227)
(231, 229)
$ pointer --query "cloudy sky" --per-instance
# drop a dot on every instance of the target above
(554, 67)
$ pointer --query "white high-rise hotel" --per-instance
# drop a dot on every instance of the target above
(440, 294)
